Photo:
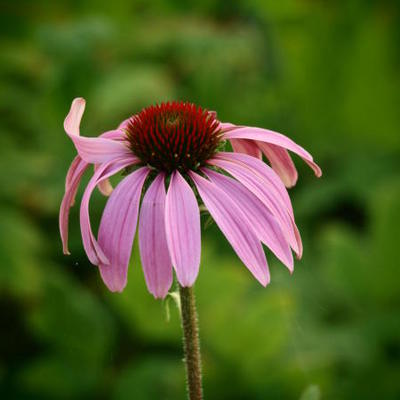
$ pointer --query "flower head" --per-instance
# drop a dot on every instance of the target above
(176, 149)
(174, 136)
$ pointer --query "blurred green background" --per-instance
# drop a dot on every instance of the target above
(326, 74)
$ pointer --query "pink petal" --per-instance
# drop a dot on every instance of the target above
(92, 248)
(123, 125)
(263, 182)
(74, 175)
(246, 147)
(116, 134)
(92, 150)
(104, 186)
(182, 226)
(72, 181)
(235, 226)
(260, 219)
(156, 262)
(72, 121)
(227, 126)
(267, 136)
(72, 170)
(265, 172)
(281, 162)
(117, 229)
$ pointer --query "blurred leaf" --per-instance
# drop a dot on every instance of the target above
(84, 333)
(19, 246)
(54, 377)
(129, 88)
(152, 378)
(311, 393)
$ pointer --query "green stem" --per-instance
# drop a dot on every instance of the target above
(191, 343)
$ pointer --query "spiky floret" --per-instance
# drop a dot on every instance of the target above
(174, 135)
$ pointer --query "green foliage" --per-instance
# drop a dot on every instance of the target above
(326, 74)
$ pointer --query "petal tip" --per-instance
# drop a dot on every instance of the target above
(290, 185)
(113, 286)
(160, 295)
(289, 264)
(79, 101)
(73, 119)
(186, 281)
(265, 282)
(290, 182)
(317, 169)
(105, 188)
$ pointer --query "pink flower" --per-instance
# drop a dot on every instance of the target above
(173, 150)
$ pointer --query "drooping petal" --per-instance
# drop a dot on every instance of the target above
(265, 135)
(72, 181)
(104, 186)
(263, 223)
(246, 146)
(117, 229)
(235, 226)
(182, 226)
(92, 248)
(74, 175)
(91, 149)
(72, 121)
(266, 185)
(263, 171)
(281, 162)
(75, 166)
(271, 180)
(156, 262)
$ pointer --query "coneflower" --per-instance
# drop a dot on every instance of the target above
(175, 151)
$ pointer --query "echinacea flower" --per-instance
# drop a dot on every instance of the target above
(172, 156)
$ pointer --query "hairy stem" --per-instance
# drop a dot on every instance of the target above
(191, 343)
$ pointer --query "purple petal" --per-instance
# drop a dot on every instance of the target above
(235, 226)
(281, 162)
(92, 150)
(92, 248)
(156, 262)
(263, 182)
(117, 229)
(260, 219)
(74, 175)
(182, 227)
(265, 135)
(246, 147)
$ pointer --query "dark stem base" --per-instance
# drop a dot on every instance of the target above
(191, 343)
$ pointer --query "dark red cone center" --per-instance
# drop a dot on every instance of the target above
(174, 136)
